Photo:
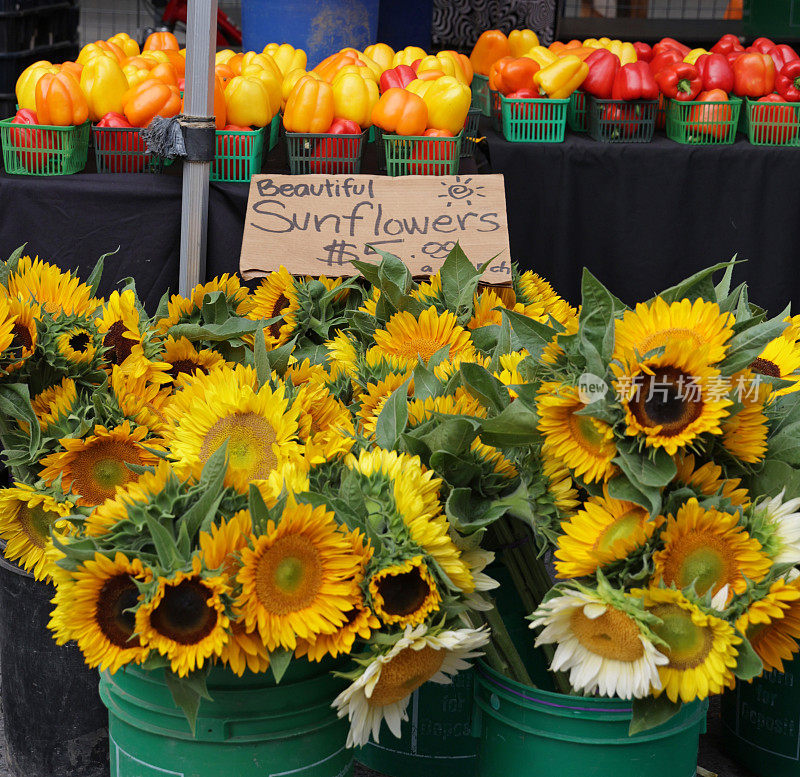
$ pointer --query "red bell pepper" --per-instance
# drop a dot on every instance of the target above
(782, 55)
(522, 111)
(726, 44)
(680, 81)
(626, 117)
(732, 56)
(771, 123)
(670, 43)
(124, 151)
(435, 154)
(715, 72)
(787, 82)
(753, 75)
(28, 142)
(397, 77)
(603, 69)
(713, 120)
(644, 51)
(761, 46)
(634, 81)
(325, 149)
(664, 59)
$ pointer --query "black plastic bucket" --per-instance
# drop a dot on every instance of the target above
(55, 723)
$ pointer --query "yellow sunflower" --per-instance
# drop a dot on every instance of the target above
(553, 351)
(24, 335)
(780, 359)
(142, 398)
(119, 325)
(533, 290)
(708, 548)
(701, 648)
(374, 397)
(708, 481)
(179, 309)
(360, 622)
(185, 620)
(319, 414)
(487, 309)
(93, 467)
(55, 403)
(76, 345)
(26, 519)
(276, 296)
(493, 459)
(560, 484)
(219, 546)
(461, 402)
(244, 650)
(585, 444)
(744, 434)
(404, 593)
(298, 579)
(430, 291)
(303, 372)
(445, 369)
(182, 358)
(92, 606)
(604, 531)
(342, 356)
(7, 321)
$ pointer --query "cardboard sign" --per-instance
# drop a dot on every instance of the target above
(318, 224)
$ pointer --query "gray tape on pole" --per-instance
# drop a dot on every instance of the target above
(188, 137)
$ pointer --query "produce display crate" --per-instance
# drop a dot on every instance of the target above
(417, 155)
(661, 113)
(773, 124)
(238, 154)
(696, 123)
(470, 140)
(12, 63)
(622, 121)
(275, 130)
(577, 117)
(122, 150)
(325, 153)
(37, 149)
(480, 94)
(39, 26)
(534, 120)
(497, 119)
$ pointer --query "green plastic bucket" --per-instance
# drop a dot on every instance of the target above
(252, 728)
(519, 727)
(760, 722)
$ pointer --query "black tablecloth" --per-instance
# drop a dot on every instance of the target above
(641, 217)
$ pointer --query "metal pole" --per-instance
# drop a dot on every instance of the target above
(201, 40)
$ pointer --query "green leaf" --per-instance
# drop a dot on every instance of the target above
(723, 288)
(645, 471)
(622, 488)
(231, 329)
(487, 389)
(697, 286)
(278, 358)
(650, 712)
(458, 275)
(516, 425)
(415, 446)
(261, 359)
(455, 470)
(10, 265)
(184, 544)
(393, 418)
(748, 664)
(259, 511)
(187, 692)
(167, 550)
(162, 311)
(531, 335)
(503, 343)
(596, 298)
(368, 270)
(15, 402)
(747, 345)
(468, 514)
(279, 661)
(785, 445)
(441, 355)
(426, 383)
(451, 434)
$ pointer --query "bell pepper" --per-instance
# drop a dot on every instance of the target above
(627, 119)
(272, 82)
(782, 55)
(715, 72)
(694, 55)
(710, 120)
(354, 98)
(248, 102)
(30, 144)
(772, 123)
(761, 46)
(289, 81)
(581, 53)
(432, 63)
(408, 55)
(437, 155)
(149, 99)
(419, 87)
(381, 53)
(670, 43)
(562, 78)
(172, 57)
(310, 107)
(624, 51)
(542, 56)
(680, 81)
(336, 148)
(397, 77)
(448, 102)
(400, 112)
(72, 67)
(221, 70)
(220, 108)
(452, 58)
(732, 56)
(286, 57)
(430, 75)
(361, 72)
(635, 82)
(165, 73)
(521, 41)
(135, 75)
(511, 73)
(128, 45)
(603, 67)
(60, 101)
(787, 82)
(161, 41)
(118, 146)
(330, 66)
(104, 83)
(726, 44)
(592, 43)
(664, 59)
(753, 75)
(644, 52)
(491, 45)
(25, 88)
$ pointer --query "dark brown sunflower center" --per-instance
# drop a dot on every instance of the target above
(21, 336)
(766, 367)
(119, 347)
(405, 593)
(78, 342)
(189, 366)
(183, 615)
(118, 594)
(670, 399)
(280, 303)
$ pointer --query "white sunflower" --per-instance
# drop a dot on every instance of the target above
(781, 527)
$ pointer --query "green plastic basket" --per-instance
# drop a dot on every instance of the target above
(696, 123)
(238, 155)
(497, 117)
(534, 120)
(661, 113)
(417, 155)
(773, 124)
(122, 150)
(577, 118)
(622, 121)
(480, 94)
(40, 149)
(274, 130)
(324, 153)
(470, 140)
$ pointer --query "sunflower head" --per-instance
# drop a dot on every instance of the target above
(58, 293)
(183, 310)
(276, 301)
(404, 593)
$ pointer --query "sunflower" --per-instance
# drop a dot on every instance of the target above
(604, 531)
(182, 358)
(560, 484)
(24, 335)
(509, 374)
(93, 467)
(119, 324)
(430, 292)
(487, 307)
(693, 326)
(26, 518)
(700, 648)
(532, 289)
(142, 398)
(374, 397)
(185, 620)
(298, 579)
(744, 433)
(707, 548)
(415, 494)
(446, 368)
(603, 641)
(493, 461)
(342, 355)
(319, 414)
(180, 310)
(76, 345)
(780, 359)
(220, 545)
(276, 297)
(670, 399)
(554, 351)
(407, 338)
(7, 321)
(244, 650)
(360, 622)
(707, 480)
(55, 404)
(93, 606)
(776, 523)
(461, 402)
(585, 444)
(381, 690)
(404, 593)
(258, 424)
(300, 373)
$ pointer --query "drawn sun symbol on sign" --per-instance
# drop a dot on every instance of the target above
(461, 190)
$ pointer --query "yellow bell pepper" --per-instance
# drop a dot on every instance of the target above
(432, 63)
(559, 80)
(247, 102)
(361, 72)
(103, 83)
(604, 42)
(542, 56)
(625, 52)
(354, 98)
(371, 65)
(286, 56)
(522, 41)
(694, 55)
(592, 43)
(448, 102)
(309, 107)
(289, 81)
(458, 65)
(135, 75)
(408, 56)
(273, 83)
(380, 53)
(419, 87)
(126, 43)
(221, 57)
(25, 88)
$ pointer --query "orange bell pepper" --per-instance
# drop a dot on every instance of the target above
(522, 41)
(165, 73)
(491, 46)
(135, 75)
(310, 107)
(103, 83)
(149, 99)
(161, 41)
(408, 56)
(329, 67)
(354, 98)
(248, 102)
(289, 81)
(224, 73)
(382, 54)
(167, 57)
(400, 112)
(286, 57)
(60, 101)
(466, 65)
(220, 108)
(25, 88)
(511, 73)
(73, 67)
(126, 43)
(101, 48)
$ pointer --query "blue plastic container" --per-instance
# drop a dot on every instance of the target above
(321, 28)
